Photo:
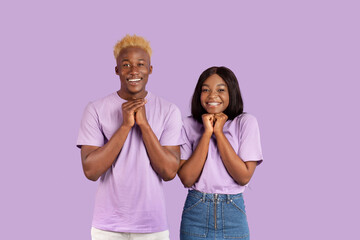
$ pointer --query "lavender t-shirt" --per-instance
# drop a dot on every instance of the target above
(244, 137)
(130, 195)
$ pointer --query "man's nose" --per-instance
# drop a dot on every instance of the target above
(134, 69)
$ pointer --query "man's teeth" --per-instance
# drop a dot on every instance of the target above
(134, 80)
(213, 104)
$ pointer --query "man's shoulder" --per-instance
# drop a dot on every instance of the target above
(107, 100)
(160, 101)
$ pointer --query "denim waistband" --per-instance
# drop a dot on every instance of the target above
(211, 197)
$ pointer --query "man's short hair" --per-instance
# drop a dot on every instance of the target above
(132, 41)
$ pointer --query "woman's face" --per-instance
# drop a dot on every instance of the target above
(214, 96)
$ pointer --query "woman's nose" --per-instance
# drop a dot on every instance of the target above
(213, 94)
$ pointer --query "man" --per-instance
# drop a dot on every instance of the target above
(130, 140)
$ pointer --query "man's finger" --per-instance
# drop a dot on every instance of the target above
(132, 105)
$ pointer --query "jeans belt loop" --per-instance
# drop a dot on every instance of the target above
(203, 197)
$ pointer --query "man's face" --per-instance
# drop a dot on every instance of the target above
(133, 68)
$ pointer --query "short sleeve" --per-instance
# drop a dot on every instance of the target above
(250, 145)
(171, 135)
(186, 148)
(90, 131)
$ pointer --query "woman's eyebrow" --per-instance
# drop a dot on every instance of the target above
(220, 84)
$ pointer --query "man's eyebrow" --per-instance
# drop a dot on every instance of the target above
(127, 60)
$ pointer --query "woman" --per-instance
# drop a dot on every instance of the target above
(219, 157)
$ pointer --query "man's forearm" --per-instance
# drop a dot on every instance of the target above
(165, 162)
(97, 161)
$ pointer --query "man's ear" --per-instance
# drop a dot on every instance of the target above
(151, 68)
(116, 70)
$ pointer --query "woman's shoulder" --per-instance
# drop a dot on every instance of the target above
(245, 117)
(190, 124)
(189, 120)
(244, 121)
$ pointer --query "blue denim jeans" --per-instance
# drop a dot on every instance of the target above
(214, 216)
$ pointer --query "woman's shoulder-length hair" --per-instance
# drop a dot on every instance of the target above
(236, 105)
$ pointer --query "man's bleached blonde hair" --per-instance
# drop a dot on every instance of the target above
(132, 41)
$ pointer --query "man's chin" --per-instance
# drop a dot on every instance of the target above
(136, 93)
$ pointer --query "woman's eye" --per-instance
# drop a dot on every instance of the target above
(126, 65)
(221, 90)
(141, 64)
(204, 90)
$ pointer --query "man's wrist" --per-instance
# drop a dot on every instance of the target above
(125, 127)
(144, 127)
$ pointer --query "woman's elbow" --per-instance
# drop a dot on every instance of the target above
(243, 181)
(188, 183)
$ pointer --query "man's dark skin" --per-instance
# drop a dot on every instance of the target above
(133, 68)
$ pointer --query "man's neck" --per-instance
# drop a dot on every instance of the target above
(129, 96)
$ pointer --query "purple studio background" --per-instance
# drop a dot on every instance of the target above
(298, 68)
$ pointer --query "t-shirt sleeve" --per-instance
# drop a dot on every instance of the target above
(186, 148)
(90, 131)
(171, 136)
(250, 145)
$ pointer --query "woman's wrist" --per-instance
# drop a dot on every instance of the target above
(207, 133)
(218, 132)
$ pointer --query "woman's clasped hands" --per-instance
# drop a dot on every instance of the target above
(214, 123)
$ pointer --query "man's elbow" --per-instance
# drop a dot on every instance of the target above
(170, 172)
(91, 175)
(169, 176)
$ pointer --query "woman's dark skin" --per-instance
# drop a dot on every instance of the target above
(215, 91)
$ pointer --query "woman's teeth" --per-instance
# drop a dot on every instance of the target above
(213, 104)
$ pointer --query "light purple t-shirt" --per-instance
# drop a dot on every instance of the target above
(243, 135)
(130, 195)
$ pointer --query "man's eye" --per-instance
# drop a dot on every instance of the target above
(126, 65)
(141, 64)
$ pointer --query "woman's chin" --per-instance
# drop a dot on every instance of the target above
(213, 111)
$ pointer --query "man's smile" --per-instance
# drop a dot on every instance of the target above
(134, 80)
